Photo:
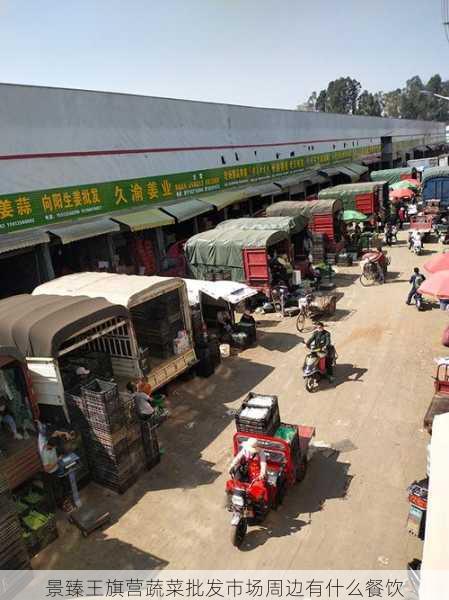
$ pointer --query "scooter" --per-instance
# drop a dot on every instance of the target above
(417, 246)
(314, 368)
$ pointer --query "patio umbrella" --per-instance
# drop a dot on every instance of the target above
(353, 216)
(405, 184)
(401, 194)
(437, 285)
(440, 262)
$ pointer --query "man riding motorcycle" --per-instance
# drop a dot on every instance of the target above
(320, 341)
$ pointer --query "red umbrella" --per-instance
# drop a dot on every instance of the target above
(401, 194)
(437, 285)
(440, 262)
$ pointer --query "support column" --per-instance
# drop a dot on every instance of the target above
(43, 252)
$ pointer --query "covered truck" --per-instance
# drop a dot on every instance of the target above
(159, 315)
(435, 186)
(323, 216)
(237, 255)
(294, 225)
(54, 332)
(367, 197)
(394, 175)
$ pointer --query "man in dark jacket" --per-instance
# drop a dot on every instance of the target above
(321, 339)
(416, 280)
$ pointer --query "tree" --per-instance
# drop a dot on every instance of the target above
(413, 102)
(369, 104)
(320, 104)
(342, 95)
(392, 103)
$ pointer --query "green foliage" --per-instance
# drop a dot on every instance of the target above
(344, 96)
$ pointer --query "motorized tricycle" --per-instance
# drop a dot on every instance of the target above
(442, 231)
(374, 267)
(250, 501)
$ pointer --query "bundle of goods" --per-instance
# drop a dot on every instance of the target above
(39, 530)
(181, 343)
(259, 413)
(13, 553)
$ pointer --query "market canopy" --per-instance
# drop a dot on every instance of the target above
(229, 291)
(353, 216)
(391, 175)
(138, 220)
(437, 285)
(288, 224)
(38, 325)
(225, 198)
(359, 169)
(263, 189)
(127, 290)
(305, 208)
(187, 209)
(80, 230)
(25, 239)
(440, 262)
(344, 170)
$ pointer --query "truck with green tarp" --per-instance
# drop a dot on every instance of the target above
(323, 216)
(236, 254)
(394, 175)
(367, 197)
(295, 226)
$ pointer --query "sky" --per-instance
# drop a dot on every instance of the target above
(270, 53)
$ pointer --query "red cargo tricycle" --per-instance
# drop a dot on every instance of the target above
(286, 453)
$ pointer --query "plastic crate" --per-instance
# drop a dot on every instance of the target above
(102, 392)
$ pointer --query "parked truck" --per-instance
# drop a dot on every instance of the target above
(323, 215)
(367, 197)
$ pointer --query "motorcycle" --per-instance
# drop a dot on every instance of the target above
(314, 368)
(388, 237)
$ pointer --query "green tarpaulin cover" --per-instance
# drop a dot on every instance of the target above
(290, 225)
(348, 192)
(390, 175)
(304, 208)
(353, 216)
(221, 249)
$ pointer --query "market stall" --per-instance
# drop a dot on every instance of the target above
(159, 316)
(236, 255)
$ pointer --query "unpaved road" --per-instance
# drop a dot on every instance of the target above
(351, 510)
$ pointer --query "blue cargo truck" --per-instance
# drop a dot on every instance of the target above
(435, 186)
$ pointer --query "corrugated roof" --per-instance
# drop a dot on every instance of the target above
(225, 198)
(80, 230)
(23, 239)
(187, 209)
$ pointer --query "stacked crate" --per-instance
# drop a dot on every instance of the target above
(318, 247)
(13, 552)
(259, 413)
(157, 324)
(112, 434)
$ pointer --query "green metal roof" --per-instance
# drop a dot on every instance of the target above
(139, 220)
(187, 209)
(225, 198)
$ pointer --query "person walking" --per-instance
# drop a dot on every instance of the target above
(416, 280)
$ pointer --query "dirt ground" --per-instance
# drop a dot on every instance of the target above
(351, 510)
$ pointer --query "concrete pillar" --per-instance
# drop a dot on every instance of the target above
(43, 253)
